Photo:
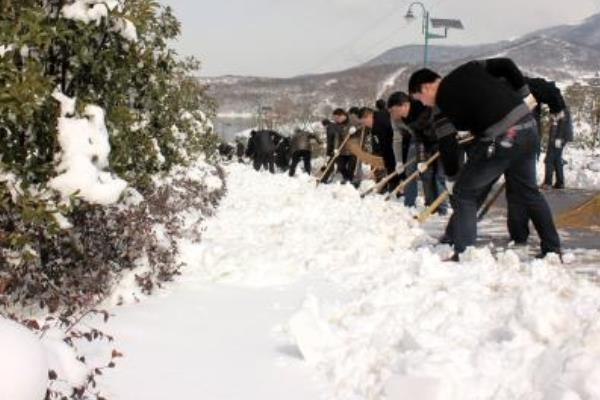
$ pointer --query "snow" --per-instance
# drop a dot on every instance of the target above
(582, 168)
(84, 156)
(389, 82)
(125, 28)
(88, 10)
(23, 365)
(311, 293)
(62, 359)
(5, 49)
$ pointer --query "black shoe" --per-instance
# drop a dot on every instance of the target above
(453, 259)
(559, 186)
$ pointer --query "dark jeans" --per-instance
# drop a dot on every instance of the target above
(518, 164)
(554, 164)
(305, 156)
(345, 166)
(411, 191)
(264, 160)
(433, 186)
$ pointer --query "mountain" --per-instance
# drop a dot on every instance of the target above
(586, 33)
(413, 54)
(564, 53)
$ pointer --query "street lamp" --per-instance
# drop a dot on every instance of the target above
(446, 24)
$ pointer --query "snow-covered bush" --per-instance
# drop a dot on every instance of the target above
(584, 102)
(94, 107)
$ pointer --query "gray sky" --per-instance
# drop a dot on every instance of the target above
(281, 38)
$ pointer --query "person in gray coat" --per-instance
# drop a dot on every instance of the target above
(301, 150)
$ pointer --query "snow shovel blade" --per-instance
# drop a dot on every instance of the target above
(584, 216)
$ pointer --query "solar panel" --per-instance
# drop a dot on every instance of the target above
(446, 23)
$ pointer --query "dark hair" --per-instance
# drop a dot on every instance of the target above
(354, 111)
(340, 111)
(398, 99)
(380, 104)
(365, 111)
(421, 77)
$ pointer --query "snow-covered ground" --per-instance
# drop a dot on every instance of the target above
(299, 292)
(582, 170)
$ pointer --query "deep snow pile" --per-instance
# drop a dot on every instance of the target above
(395, 320)
(23, 364)
(272, 230)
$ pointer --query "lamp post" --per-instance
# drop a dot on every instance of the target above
(428, 22)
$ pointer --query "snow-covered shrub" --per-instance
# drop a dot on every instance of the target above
(94, 106)
(78, 264)
(584, 102)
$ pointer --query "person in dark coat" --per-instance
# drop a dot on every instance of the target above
(282, 152)
(382, 133)
(301, 150)
(261, 149)
(337, 133)
(473, 98)
(426, 146)
(561, 128)
(226, 150)
(240, 150)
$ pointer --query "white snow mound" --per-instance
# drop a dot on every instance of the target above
(23, 364)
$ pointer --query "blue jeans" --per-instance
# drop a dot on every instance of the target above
(434, 185)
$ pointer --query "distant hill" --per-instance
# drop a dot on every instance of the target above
(564, 53)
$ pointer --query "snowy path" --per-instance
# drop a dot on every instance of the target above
(286, 271)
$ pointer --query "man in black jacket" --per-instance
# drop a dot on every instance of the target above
(261, 149)
(474, 98)
(561, 128)
(301, 150)
(380, 124)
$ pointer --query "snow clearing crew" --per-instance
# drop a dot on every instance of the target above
(475, 97)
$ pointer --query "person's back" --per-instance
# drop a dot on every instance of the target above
(264, 142)
(476, 100)
(301, 141)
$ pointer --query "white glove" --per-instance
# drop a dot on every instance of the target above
(555, 118)
(463, 134)
(336, 152)
(352, 130)
(422, 167)
(399, 168)
(450, 186)
(530, 101)
(558, 143)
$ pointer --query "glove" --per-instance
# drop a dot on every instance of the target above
(336, 152)
(558, 143)
(450, 186)
(352, 130)
(530, 101)
(399, 168)
(422, 167)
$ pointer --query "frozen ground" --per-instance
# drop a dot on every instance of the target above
(304, 293)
